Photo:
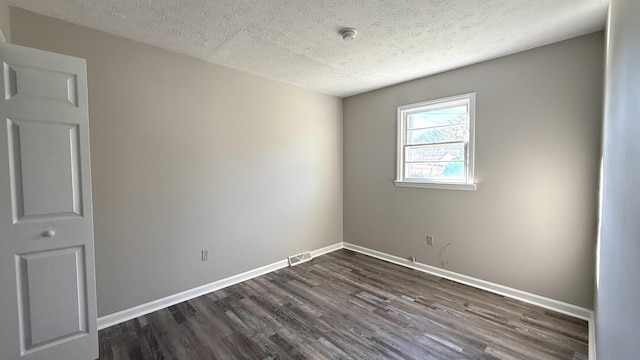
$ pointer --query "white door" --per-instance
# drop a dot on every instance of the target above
(47, 276)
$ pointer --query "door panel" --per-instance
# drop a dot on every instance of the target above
(47, 266)
(48, 85)
(39, 289)
(37, 148)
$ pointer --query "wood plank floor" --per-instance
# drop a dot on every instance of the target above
(345, 305)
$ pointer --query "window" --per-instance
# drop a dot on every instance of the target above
(435, 143)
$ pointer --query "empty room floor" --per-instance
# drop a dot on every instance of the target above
(346, 305)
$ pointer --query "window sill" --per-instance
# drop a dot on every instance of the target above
(468, 187)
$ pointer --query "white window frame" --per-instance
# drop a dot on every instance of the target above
(467, 183)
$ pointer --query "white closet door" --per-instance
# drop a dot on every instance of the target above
(47, 270)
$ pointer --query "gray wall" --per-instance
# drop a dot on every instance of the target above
(531, 224)
(4, 19)
(189, 155)
(618, 293)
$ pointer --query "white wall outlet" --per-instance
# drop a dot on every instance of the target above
(430, 240)
(205, 254)
(412, 258)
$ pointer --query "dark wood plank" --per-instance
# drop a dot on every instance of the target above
(345, 305)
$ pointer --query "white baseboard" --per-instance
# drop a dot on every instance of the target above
(143, 309)
(547, 303)
(327, 249)
(592, 337)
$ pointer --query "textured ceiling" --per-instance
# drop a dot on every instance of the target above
(297, 41)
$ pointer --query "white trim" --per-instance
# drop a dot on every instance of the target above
(592, 337)
(551, 304)
(327, 249)
(470, 187)
(468, 99)
(547, 303)
(143, 309)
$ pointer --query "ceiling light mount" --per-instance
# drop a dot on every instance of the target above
(348, 33)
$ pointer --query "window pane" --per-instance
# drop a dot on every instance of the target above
(435, 135)
(453, 170)
(434, 153)
(449, 116)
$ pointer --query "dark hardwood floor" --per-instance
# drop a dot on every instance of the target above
(345, 305)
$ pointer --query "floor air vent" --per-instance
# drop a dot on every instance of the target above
(300, 258)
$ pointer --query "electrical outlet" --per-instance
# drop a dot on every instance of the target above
(412, 258)
(430, 240)
(205, 254)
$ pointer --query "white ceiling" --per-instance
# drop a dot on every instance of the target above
(297, 41)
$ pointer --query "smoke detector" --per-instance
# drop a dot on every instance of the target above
(348, 33)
